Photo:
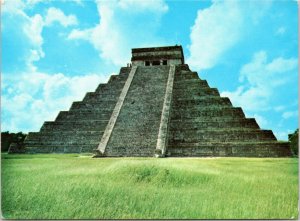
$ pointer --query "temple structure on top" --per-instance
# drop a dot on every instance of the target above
(157, 56)
(156, 107)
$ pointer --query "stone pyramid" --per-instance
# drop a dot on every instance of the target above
(156, 107)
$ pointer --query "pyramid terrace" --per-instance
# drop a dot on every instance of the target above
(157, 107)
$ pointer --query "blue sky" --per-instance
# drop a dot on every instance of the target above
(53, 52)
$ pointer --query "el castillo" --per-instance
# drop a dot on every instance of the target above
(156, 107)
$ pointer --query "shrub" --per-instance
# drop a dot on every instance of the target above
(294, 142)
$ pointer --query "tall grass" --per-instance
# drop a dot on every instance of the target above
(79, 187)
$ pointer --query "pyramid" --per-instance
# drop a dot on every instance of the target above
(155, 107)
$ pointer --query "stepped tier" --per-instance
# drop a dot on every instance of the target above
(230, 149)
(204, 124)
(80, 128)
(157, 107)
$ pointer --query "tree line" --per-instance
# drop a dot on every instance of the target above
(294, 141)
(8, 138)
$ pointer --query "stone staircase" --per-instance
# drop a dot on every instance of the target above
(204, 124)
(136, 129)
(80, 128)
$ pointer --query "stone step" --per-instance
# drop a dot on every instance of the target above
(101, 88)
(130, 124)
(87, 125)
(143, 80)
(107, 93)
(64, 137)
(199, 123)
(103, 99)
(141, 139)
(60, 148)
(100, 97)
(144, 87)
(129, 117)
(181, 67)
(207, 112)
(235, 149)
(190, 83)
(93, 95)
(208, 119)
(96, 112)
(132, 151)
(68, 115)
(93, 105)
(110, 88)
(186, 75)
(137, 102)
(60, 143)
(221, 135)
(66, 133)
(203, 101)
(215, 107)
(154, 74)
(125, 70)
(96, 109)
(118, 77)
(195, 92)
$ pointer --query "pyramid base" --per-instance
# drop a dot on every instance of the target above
(98, 154)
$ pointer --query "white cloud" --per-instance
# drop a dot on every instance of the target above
(78, 34)
(216, 29)
(56, 15)
(279, 108)
(280, 31)
(258, 72)
(33, 30)
(260, 80)
(282, 135)
(290, 114)
(151, 5)
(117, 31)
(36, 97)
(13, 7)
(219, 27)
(32, 26)
(79, 2)
(32, 3)
(31, 97)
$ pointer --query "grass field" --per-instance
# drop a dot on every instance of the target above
(74, 186)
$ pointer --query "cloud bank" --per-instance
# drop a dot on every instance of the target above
(118, 30)
(219, 27)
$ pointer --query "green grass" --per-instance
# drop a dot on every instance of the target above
(74, 186)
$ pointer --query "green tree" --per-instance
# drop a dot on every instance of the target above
(8, 138)
(294, 141)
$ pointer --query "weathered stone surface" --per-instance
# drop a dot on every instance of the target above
(190, 120)
(115, 114)
(136, 130)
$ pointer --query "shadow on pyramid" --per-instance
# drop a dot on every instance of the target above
(156, 107)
